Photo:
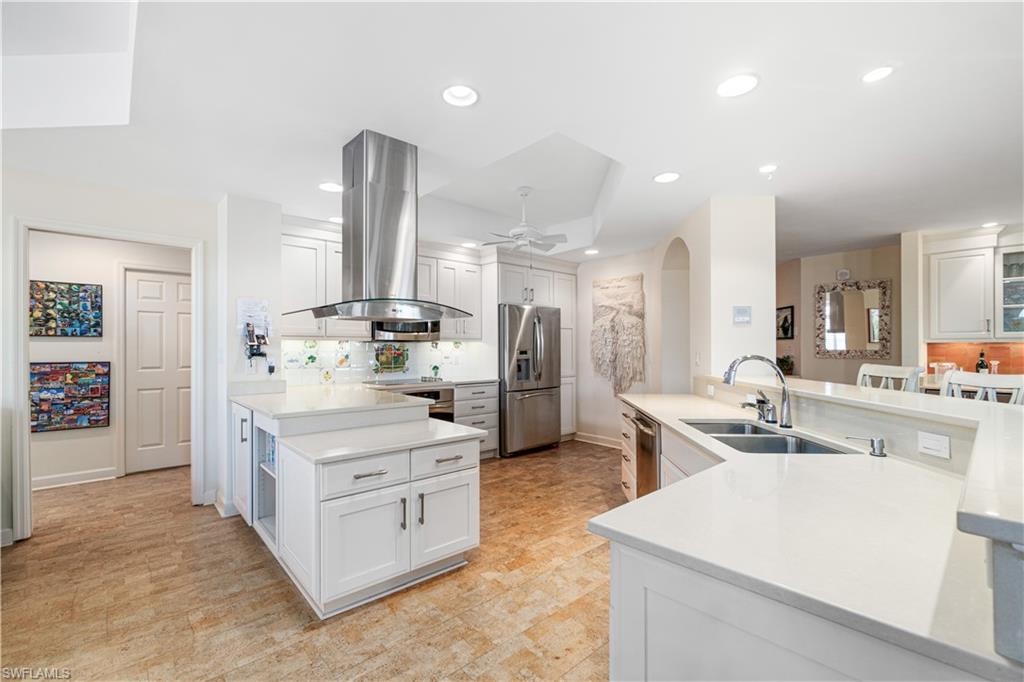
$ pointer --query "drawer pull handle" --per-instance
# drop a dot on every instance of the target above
(478, 392)
(625, 435)
(625, 416)
(625, 485)
(477, 407)
(423, 509)
(379, 472)
(404, 513)
(479, 422)
(442, 460)
(626, 457)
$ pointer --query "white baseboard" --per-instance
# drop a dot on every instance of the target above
(6, 536)
(595, 439)
(74, 478)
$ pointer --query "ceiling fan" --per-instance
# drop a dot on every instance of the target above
(526, 235)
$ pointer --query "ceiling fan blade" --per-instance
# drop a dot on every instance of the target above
(495, 234)
(542, 246)
(503, 241)
(554, 239)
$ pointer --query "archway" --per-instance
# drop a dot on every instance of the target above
(675, 319)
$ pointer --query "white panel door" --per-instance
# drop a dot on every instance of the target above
(542, 287)
(303, 284)
(242, 460)
(158, 363)
(342, 329)
(469, 296)
(446, 516)
(364, 539)
(565, 298)
(568, 408)
(447, 294)
(426, 278)
(961, 294)
(513, 287)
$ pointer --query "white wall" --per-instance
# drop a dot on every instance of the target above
(29, 195)
(60, 457)
(675, 319)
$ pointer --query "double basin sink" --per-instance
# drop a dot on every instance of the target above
(757, 439)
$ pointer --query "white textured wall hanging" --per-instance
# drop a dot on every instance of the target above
(617, 346)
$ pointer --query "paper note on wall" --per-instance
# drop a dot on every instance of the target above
(255, 310)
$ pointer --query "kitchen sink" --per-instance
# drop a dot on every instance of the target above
(739, 428)
(776, 444)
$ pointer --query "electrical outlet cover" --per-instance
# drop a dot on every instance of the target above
(711, 390)
(933, 444)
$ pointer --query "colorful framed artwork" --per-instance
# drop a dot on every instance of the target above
(64, 309)
(785, 325)
(69, 395)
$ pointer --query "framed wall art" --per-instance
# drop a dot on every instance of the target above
(69, 395)
(64, 309)
(785, 324)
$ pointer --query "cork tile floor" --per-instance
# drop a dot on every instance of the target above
(124, 579)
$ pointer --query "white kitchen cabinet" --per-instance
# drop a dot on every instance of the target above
(1009, 292)
(513, 285)
(542, 287)
(345, 329)
(426, 278)
(447, 516)
(459, 285)
(304, 278)
(242, 460)
(476, 405)
(365, 540)
(564, 298)
(568, 407)
(961, 298)
(567, 343)
(670, 473)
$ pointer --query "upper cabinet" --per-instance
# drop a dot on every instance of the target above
(426, 279)
(311, 271)
(537, 286)
(977, 293)
(458, 285)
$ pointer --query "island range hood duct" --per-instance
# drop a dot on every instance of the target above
(379, 236)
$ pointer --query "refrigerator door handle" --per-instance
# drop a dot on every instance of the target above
(538, 348)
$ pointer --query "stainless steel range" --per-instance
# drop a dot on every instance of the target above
(433, 388)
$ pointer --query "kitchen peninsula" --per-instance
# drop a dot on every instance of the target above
(356, 492)
(824, 566)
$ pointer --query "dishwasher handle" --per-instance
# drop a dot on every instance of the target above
(642, 428)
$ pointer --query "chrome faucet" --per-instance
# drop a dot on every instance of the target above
(785, 418)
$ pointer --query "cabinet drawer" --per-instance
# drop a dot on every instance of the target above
(685, 455)
(627, 483)
(357, 475)
(443, 458)
(628, 460)
(627, 434)
(480, 421)
(476, 392)
(468, 408)
(490, 442)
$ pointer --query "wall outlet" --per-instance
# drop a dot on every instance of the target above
(933, 444)
(711, 390)
(751, 398)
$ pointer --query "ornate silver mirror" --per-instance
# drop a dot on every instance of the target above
(853, 319)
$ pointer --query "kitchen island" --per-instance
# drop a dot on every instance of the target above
(356, 492)
(825, 566)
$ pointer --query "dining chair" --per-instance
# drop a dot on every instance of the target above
(887, 375)
(985, 386)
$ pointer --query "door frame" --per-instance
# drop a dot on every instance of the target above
(121, 348)
(16, 362)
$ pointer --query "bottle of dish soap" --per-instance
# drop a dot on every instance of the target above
(982, 366)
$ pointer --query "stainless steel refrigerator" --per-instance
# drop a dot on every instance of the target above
(530, 365)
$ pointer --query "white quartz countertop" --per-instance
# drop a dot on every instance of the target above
(427, 385)
(304, 401)
(333, 446)
(870, 543)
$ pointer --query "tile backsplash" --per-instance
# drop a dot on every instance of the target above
(329, 361)
(965, 355)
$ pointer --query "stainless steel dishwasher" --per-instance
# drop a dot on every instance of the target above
(648, 450)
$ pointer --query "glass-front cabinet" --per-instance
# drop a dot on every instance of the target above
(1009, 298)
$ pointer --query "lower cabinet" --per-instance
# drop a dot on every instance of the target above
(670, 473)
(448, 516)
(241, 460)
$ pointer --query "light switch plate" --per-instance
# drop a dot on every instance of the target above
(933, 444)
(741, 315)
(711, 390)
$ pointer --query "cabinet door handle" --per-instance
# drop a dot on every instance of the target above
(531, 294)
(526, 294)
(423, 509)
(988, 324)
(442, 460)
(245, 421)
(379, 472)
(404, 513)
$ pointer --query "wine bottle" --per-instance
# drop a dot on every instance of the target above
(982, 366)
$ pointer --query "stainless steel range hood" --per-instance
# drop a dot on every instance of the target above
(379, 236)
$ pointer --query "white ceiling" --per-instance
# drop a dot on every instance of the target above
(259, 98)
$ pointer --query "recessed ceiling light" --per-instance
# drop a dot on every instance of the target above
(737, 85)
(469, 245)
(878, 74)
(989, 224)
(668, 176)
(330, 187)
(336, 219)
(591, 252)
(768, 169)
(460, 95)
